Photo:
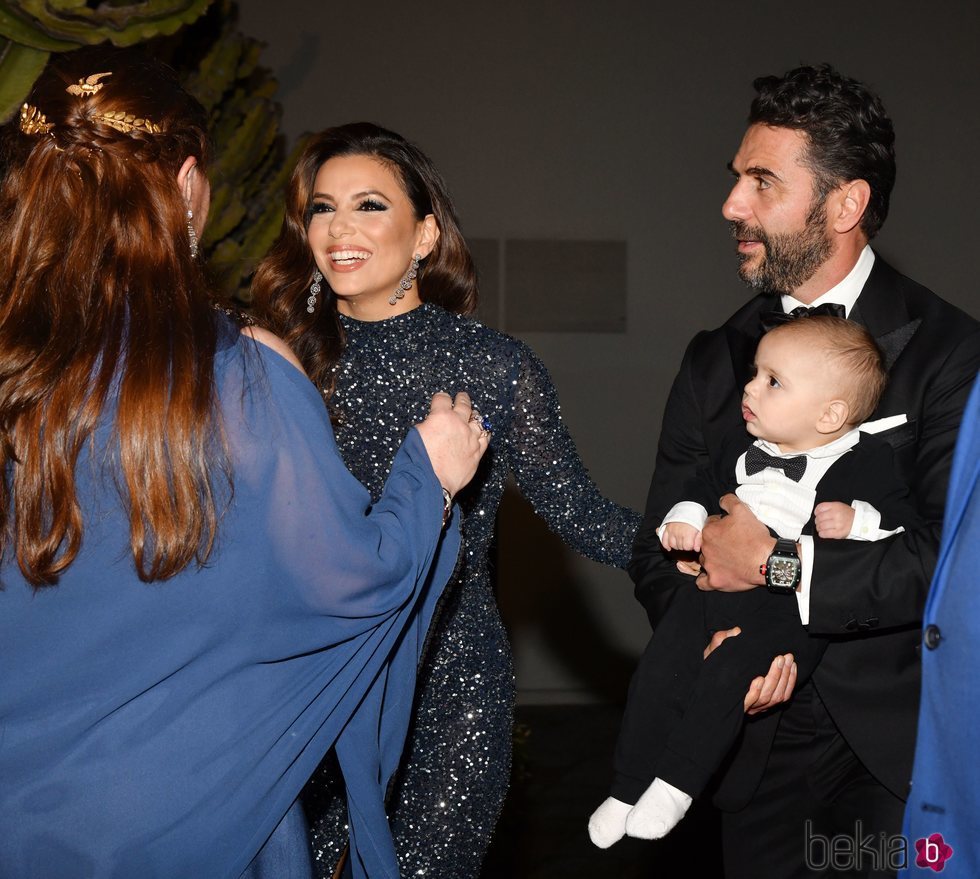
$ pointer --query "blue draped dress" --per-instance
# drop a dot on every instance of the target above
(164, 729)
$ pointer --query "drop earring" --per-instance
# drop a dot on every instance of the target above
(314, 291)
(191, 233)
(406, 282)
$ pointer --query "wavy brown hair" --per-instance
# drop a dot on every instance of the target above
(101, 301)
(282, 281)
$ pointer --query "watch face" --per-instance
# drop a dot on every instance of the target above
(783, 572)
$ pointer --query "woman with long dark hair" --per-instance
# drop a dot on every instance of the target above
(372, 284)
(196, 597)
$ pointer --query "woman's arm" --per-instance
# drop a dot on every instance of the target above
(551, 475)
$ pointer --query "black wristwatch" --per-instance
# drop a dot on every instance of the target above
(783, 569)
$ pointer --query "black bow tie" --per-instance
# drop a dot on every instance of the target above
(756, 460)
(772, 319)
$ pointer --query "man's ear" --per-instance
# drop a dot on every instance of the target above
(833, 417)
(849, 204)
(428, 236)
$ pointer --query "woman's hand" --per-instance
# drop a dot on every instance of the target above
(454, 438)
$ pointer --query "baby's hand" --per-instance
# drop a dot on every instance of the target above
(833, 519)
(680, 535)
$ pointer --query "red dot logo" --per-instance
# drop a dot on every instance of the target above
(932, 852)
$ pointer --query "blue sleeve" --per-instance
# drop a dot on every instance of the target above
(359, 564)
(349, 560)
(945, 794)
(370, 747)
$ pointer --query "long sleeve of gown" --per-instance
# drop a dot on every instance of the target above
(551, 475)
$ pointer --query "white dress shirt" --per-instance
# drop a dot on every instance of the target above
(846, 292)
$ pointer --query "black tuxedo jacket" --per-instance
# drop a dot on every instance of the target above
(867, 597)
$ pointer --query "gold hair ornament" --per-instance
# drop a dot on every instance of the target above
(126, 122)
(87, 85)
(33, 121)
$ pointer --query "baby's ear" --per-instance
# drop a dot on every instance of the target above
(834, 416)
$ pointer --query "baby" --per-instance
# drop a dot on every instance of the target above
(816, 379)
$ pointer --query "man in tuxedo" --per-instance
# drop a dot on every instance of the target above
(813, 176)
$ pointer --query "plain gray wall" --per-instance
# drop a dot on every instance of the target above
(614, 121)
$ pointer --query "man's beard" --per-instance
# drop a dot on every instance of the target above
(790, 259)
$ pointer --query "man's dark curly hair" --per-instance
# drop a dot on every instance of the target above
(849, 135)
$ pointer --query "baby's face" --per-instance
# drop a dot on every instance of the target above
(793, 384)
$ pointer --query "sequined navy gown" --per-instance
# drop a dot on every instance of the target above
(456, 767)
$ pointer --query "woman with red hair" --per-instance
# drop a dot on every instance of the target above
(197, 598)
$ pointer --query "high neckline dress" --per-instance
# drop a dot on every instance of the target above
(456, 768)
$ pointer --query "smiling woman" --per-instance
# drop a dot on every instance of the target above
(365, 237)
(369, 216)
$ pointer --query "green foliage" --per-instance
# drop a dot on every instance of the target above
(218, 64)
(20, 65)
(31, 29)
(249, 169)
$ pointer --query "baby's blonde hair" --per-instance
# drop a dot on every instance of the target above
(854, 354)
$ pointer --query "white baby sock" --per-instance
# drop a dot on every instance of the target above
(608, 823)
(657, 812)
